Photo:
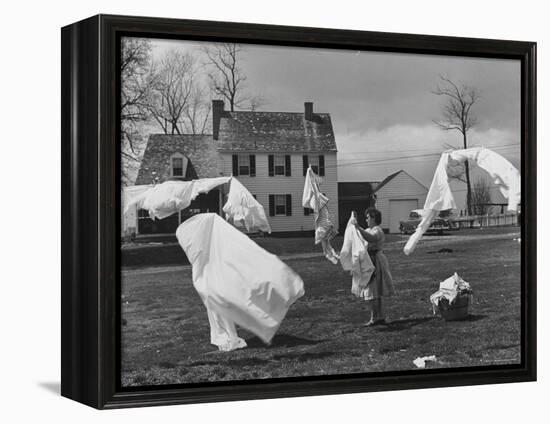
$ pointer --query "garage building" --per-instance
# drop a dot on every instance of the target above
(396, 196)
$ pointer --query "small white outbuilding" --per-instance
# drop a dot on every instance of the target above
(396, 196)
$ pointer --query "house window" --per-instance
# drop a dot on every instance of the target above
(279, 165)
(314, 163)
(317, 163)
(280, 204)
(178, 165)
(244, 164)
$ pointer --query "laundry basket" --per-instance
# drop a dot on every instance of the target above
(457, 311)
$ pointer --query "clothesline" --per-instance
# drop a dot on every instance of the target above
(165, 199)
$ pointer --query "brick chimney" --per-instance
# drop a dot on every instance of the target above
(217, 110)
(308, 111)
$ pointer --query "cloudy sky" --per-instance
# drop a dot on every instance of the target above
(381, 104)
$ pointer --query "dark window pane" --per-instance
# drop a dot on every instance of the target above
(177, 167)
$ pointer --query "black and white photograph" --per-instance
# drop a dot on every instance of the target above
(243, 212)
(295, 212)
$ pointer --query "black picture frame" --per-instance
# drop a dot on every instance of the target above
(90, 289)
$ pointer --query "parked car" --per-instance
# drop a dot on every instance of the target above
(443, 222)
(449, 216)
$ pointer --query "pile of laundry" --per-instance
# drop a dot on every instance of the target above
(453, 298)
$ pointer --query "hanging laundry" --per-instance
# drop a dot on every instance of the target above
(440, 197)
(165, 199)
(324, 228)
(239, 282)
(355, 258)
(503, 173)
(243, 210)
(134, 196)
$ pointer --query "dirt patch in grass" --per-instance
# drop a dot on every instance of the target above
(166, 336)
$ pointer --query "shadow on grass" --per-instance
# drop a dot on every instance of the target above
(472, 317)
(241, 362)
(282, 340)
(404, 324)
(229, 361)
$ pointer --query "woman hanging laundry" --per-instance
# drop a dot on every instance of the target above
(380, 284)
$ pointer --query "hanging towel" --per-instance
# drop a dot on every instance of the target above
(324, 228)
(238, 281)
(243, 210)
(440, 197)
(355, 258)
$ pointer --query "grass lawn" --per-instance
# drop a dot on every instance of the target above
(170, 253)
(166, 339)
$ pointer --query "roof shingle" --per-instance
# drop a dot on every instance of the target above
(200, 150)
(275, 131)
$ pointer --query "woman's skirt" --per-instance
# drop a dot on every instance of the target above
(381, 282)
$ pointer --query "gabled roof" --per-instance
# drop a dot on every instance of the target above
(201, 150)
(390, 177)
(275, 131)
(387, 180)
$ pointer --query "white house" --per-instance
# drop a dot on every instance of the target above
(267, 151)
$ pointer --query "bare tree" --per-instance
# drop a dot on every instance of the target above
(457, 116)
(227, 78)
(135, 95)
(197, 112)
(173, 84)
(481, 196)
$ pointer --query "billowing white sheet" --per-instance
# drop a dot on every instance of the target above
(134, 195)
(355, 258)
(245, 211)
(440, 197)
(238, 281)
(165, 199)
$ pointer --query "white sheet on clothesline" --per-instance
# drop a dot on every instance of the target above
(440, 197)
(243, 210)
(324, 227)
(355, 258)
(170, 197)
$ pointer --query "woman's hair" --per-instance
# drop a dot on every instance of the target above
(375, 214)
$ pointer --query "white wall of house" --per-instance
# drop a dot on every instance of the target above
(129, 220)
(262, 185)
(405, 192)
